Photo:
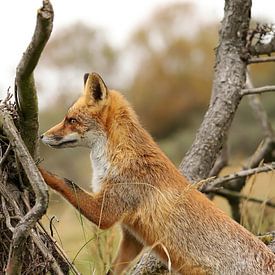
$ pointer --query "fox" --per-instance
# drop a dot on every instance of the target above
(136, 185)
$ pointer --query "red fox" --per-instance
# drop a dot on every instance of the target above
(136, 185)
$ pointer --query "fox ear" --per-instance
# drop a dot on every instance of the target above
(95, 89)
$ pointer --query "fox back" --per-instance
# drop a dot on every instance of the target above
(138, 186)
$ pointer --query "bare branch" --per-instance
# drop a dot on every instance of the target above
(22, 229)
(219, 182)
(46, 253)
(221, 161)
(61, 252)
(7, 216)
(37, 240)
(258, 90)
(264, 151)
(228, 194)
(255, 60)
(5, 155)
(24, 81)
(261, 115)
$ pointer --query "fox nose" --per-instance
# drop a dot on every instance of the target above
(41, 136)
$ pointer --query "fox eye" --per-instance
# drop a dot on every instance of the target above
(72, 120)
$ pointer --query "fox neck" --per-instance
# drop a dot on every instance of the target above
(99, 161)
(125, 149)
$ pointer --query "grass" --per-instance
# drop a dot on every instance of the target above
(91, 249)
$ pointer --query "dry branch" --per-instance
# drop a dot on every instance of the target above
(45, 248)
(228, 194)
(255, 60)
(258, 90)
(260, 114)
(262, 153)
(221, 161)
(22, 229)
(24, 81)
(219, 182)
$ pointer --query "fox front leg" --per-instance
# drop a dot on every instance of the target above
(97, 208)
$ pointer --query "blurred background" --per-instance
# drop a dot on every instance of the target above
(162, 61)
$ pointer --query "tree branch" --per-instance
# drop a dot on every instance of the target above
(221, 161)
(260, 113)
(22, 229)
(263, 152)
(229, 78)
(219, 182)
(258, 90)
(24, 80)
(228, 194)
(255, 60)
(49, 255)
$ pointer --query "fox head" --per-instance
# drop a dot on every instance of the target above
(84, 122)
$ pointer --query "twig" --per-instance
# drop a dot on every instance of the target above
(261, 115)
(51, 225)
(24, 81)
(263, 153)
(259, 90)
(61, 251)
(228, 193)
(41, 246)
(22, 229)
(46, 253)
(219, 182)
(221, 161)
(7, 216)
(5, 155)
(254, 60)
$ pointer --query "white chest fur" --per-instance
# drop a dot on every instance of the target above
(100, 164)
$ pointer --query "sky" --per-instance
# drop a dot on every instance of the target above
(118, 18)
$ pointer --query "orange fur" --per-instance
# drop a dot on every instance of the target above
(139, 187)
